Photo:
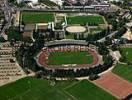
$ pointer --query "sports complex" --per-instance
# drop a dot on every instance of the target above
(63, 67)
(68, 55)
(72, 23)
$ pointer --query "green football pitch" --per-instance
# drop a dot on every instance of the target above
(127, 52)
(59, 58)
(85, 19)
(37, 17)
(40, 89)
(124, 71)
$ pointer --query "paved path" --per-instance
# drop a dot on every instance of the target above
(112, 83)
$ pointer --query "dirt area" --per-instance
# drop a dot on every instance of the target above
(115, 85)
(128, 35)
(76, 29)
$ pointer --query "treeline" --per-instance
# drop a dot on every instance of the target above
(97, 36)
(27, 51)
(120, 32)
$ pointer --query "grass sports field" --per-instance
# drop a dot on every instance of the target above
(38, 89)
(124, 71)
(127, 52)
(59, 58)
(35, 17)
(85, 19)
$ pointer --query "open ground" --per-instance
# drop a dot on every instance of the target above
(114, 85)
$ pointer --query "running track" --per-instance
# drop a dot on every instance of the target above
(115, 85)
(43, 55)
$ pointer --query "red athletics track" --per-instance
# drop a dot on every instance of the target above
(117, 86)
(43, 56)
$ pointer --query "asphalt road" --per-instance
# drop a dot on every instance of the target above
(61, 10)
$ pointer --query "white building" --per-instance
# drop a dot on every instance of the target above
(129, 24)
(32, 1)
(116, 0)
(58, 2)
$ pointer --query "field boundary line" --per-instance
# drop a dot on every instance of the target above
(63, 92)
(72, 85)
(121, 78)
(70, 95)
(20, 95)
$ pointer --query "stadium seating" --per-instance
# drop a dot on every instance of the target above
(43, 55)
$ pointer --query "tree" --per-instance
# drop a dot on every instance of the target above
(39, 43)
(57, 36)
(120, 32)
(75, 36)
(115, 47)
(114, 25)
(93, 76)
(108, 30)
(82, 36)
(131, 29)
(108, 41)
(102, 49)
(108, 60)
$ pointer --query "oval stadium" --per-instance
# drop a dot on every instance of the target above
(68, 55)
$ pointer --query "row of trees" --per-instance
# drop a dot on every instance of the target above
(115, 20)
(27, 51)
(97, 36)
(79, 36)
(123, 4)
(120, 32)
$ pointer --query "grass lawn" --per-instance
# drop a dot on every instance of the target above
(85, 19)
(124, 71)
(13, 34)
(59, 58)
(84, 90)
(38, 89)
(95, 30)
(127, 52)
(70, 36)
(35, 17)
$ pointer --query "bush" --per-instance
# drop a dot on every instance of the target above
(2, 39)
(93, 77)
